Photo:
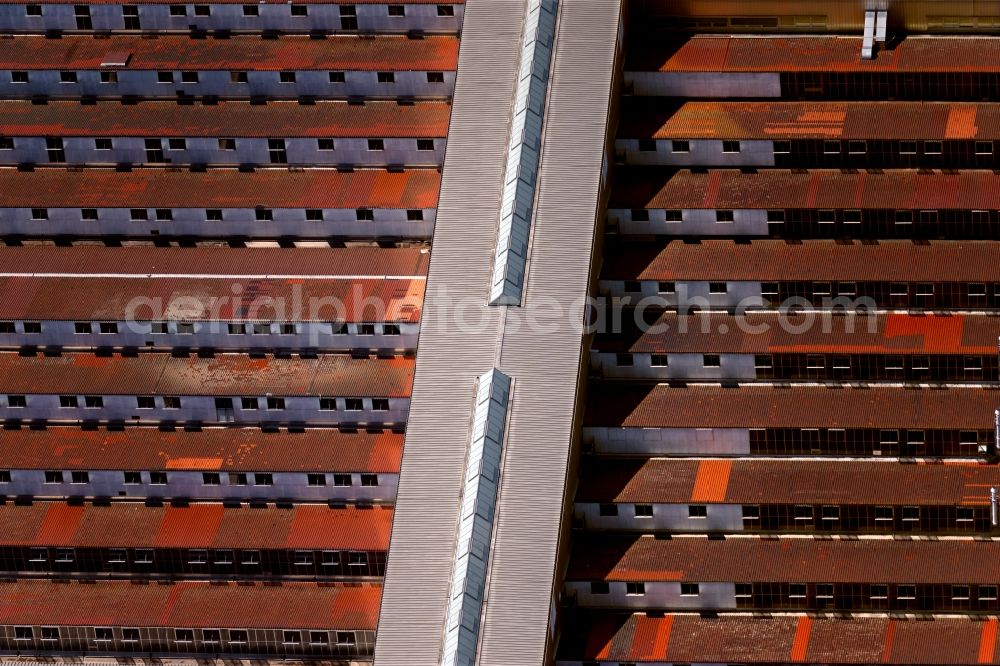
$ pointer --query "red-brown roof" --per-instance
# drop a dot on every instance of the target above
(904, 261)
(190, 604)
(180, 52)
(225, 374)
(134, 525)
(870, 482)
(782, 333)
(742, 638)
(787, 559)
(258, 263)
(815, 53)
(651, 118)
(274, 2)
(218, 188)
(226, 119)
(210, 449)
(210, 299)
(646, 187)
(711, 406)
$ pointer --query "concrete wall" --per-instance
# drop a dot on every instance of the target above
(672, 517)
(679, 366)
(703, 152)
(144, 83)
(205, 150)
(689, 293)
(298, 409)
(668, 441)
(156, 16)
(214, 335)
(190, 484)
(694, 222)
(703, 84)
(721, 596)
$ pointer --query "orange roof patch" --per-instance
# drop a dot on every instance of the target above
(711, 481)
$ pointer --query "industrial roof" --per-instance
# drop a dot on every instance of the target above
(207, 525)
(223, 375)
(711, 406)
(787, 559)
(181, 52)
(270, 2)
(763, 260)
(646, 187)
(219, 188)
(654, 119)
(815, 53)
(225, 119)
(136, 298)
(783, 333)
(209, 449)
(189, 604)
(198, 261)
(872, 482)
(747, 639)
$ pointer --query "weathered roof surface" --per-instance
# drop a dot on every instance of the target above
(815, 53)
(662, 480)
(776, 260)
(273, 2)
(209, 449)
(711, 406)
(225, 374)
(180, 52)
(259, 263)
(210, 299)
(652, 118)
(209, 525)
(218, 188)
(787, 559)
(742, 638)
(783, 333)
(189, 604)
(646, 187)
(226, 119)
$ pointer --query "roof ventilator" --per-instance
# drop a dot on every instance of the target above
(475, 524)
(518, 193)
(875, 31)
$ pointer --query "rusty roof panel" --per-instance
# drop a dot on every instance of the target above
(711, 406)
(196, 261)
(815, 53)
(244, 52)
(783, 333)
(652, 118)
(662, 480)
(189, 604)
(226, 119)
(823, 188)
(787, 559)
(219, 449)
(208, 525)
(220, 188)
(743, 638)
(904, 261)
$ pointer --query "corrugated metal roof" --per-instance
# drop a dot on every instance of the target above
(219, 188)
(180, 52)
(746, 639)
(257, 262)
(134, 525)
(649, 117)
(225, 374)
(787, 482)
(219, 449)
(815, 53)
(783, 333)
(226, 119)
(904, 261)
(210, 299)
(787, 559)
(645, 187)
(189, 604)
(708, 406)
(276, 2)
